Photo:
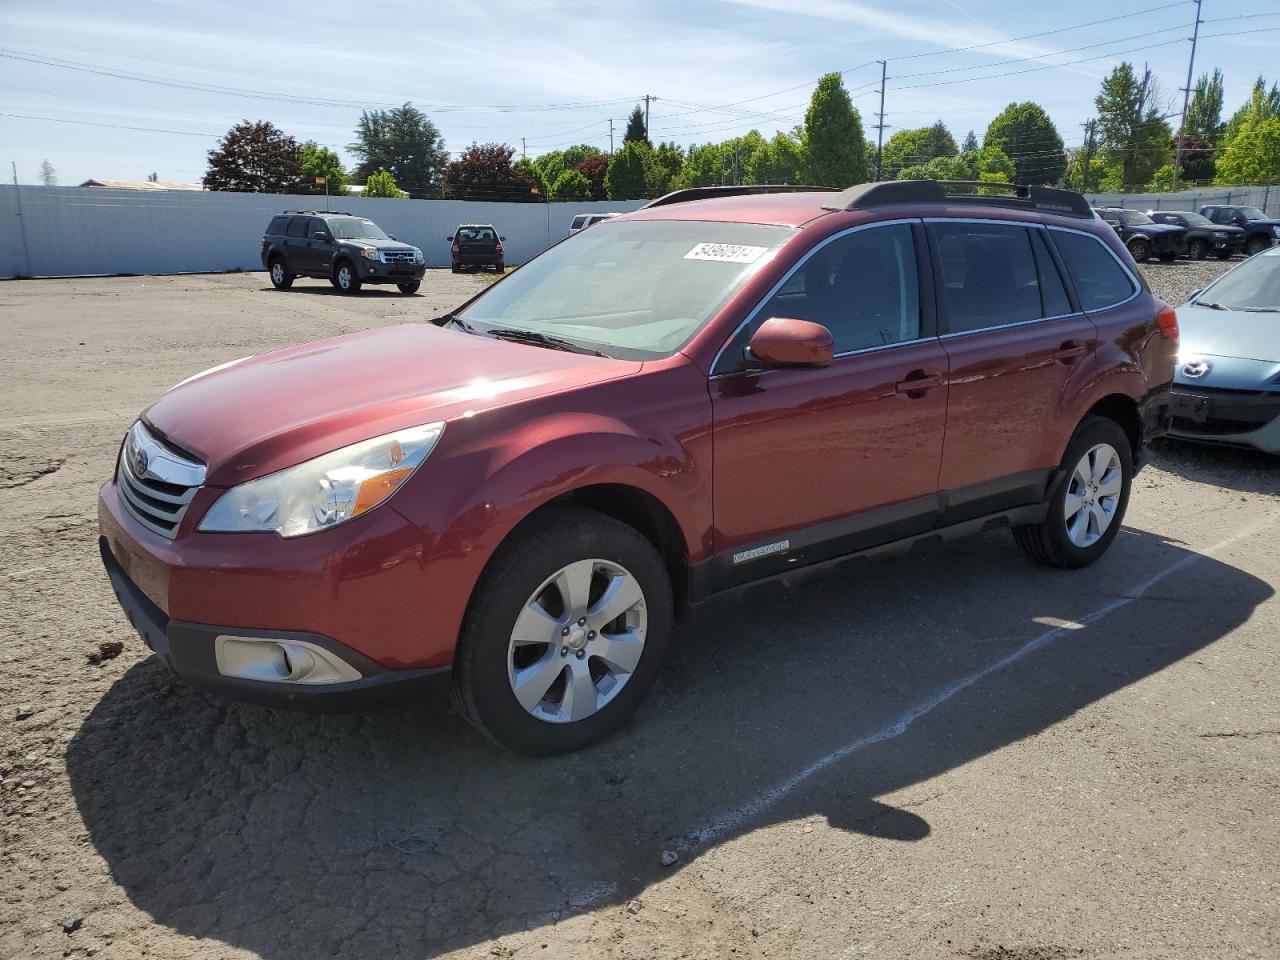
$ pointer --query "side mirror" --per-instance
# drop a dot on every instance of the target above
(448, 239)
(1194, 293)
(785, 342)
(503, 239)
(323, 237)
(393, 237)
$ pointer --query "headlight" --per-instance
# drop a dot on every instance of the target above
(1276, 231)
(326, 491)
(1219, 234)
(369, 253)
(417, 256)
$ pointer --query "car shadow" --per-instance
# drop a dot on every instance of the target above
(1234, 468)
(296, 836)
(331, 291)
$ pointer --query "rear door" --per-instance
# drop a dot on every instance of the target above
(296, 245)
(476, 243)
(1014, 341)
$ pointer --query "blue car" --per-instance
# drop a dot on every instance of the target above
(1226, 386)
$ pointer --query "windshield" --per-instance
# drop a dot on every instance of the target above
(1254, 285)
(356, 228)
(631, 289)
(1131, 217)
(476, 234)
(1195, 220)
(1253, 213)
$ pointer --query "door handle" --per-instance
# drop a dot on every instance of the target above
(917, 383)
(1068, 352)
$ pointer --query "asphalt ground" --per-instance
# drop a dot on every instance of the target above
(950, 754)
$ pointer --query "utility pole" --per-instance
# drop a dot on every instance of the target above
(647, 98)
(1186, 97)
(1089, 128)
(735, 163)
(524, 154)
(884, 66)
(611, 136)
(22, 221)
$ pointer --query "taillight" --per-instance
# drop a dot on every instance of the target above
(497, 247)
(1167, 323)
(264, 244)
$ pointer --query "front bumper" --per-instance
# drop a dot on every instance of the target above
(1244, 418)
(375, 271)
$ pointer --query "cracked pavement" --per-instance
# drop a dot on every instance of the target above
(950, 754)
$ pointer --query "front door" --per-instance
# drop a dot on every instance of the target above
(815, 462)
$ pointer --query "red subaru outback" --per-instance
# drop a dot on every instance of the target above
(706, 392)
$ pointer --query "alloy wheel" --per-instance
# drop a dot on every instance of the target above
(1093, 494)
(577, 641)
(277, 273)
(344, 278)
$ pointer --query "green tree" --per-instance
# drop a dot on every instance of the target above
(704, 166)
(989, 163)
(318, 161)
(1253, 155)
(668, 159)
(970, 143)
(571, 185)
(404, 142)
(636, 132)
(1204, 112)
(383, 184)
(1135, 139)
(833, 149)
(255, 157)
(908, 148)
(780, 161)
(575, 155)
(1261, 103)
(1024, 132)
(538, 188)
(625, 177)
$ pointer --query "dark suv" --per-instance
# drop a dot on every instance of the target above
(716, 389)
(476, 245)
(1143, 237)
(1260, 230)
(1203, 235)
(347, 250)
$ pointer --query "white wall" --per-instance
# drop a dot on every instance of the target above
(1266, 199)
(74, 231)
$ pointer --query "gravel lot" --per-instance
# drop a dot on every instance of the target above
(952, 754)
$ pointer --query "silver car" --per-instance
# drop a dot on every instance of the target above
(1226, 387)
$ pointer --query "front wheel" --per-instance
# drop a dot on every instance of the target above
(345, 278)
(281, 278)
(1197, 249)
(1087, 504)
(1140, 249)
(565, 634)
(409, 288)
(1256, 245)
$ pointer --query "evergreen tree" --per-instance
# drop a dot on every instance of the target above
(833, 149)
(404, 142)
(1135, 139)
(636, 130)
(970, 143)
(625, 178)
(48, 175)
(1024, 132)
(1261, 103)
(1204, 112)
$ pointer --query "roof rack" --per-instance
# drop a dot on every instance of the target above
(706, 193)
(867, 196)
(319, 213)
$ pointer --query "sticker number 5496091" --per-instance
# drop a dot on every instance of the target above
(726, 252)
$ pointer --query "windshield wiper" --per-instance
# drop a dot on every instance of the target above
(458, 322)
(538, 339)
(1211, 306)
(1260, 309)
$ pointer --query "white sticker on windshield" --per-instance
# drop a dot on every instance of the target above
(726, 252)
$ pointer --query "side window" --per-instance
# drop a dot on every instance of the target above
(989, 276)
(1099, 279)
(318, 226)
(579, 222)
(278, 226)
(298, 227)
(862, 287)
(1053, 294)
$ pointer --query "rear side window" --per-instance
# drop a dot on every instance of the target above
(579, 222)
(989, 276)
(278, 226)
(1099, 279)
(298, 227)
(476, 235)
(1053, 294)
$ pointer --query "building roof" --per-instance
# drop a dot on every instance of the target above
(141, 185)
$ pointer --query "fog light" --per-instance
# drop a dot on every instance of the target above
(280, 661)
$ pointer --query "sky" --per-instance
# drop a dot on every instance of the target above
(554, 73)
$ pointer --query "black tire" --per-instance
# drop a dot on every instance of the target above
(409, 288)
(1048, 541)
(454, 268)
(482, 688)
(500, 266)
(1197, 249)
(1140, 249)
(1256, 245)
(345, 277)
(281, 278)
(333, 282)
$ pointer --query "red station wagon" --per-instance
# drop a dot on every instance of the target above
(725, 386)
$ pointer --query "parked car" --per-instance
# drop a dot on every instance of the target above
(1260, 230)
(524, 492)
(477, 245)
(1203, 235)
(1143, 236)
(347, 250)
(1227, 384)
(583, 220)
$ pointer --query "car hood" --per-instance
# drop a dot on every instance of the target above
(1159, 228)
(380, 244)
(261, 414)
(1242, 350)
(1269, 222)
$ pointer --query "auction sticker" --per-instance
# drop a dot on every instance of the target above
(726, 252)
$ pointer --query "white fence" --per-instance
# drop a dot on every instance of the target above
(1266, 199)
(82, 231)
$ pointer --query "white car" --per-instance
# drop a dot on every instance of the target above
(584, 220)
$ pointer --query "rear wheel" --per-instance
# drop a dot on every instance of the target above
(1197, 249)
(345, 278)
(1140, 249)
(281, 278)
(1086, 506)
(1256, 245)
(500, 266)
(411, 287)
(565, 634)
(454, 268)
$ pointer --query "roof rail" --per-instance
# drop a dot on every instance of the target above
(318, 213)
(706, 193)
(866, 196)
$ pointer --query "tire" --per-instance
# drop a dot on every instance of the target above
(454, 268)
(281, 278)
(333, 282)
(516, 585)
(1256, 245)
(1140, 249)
(1197, 249)
(409, 288)
(345, 277)
(500, 266)
(1056, 541)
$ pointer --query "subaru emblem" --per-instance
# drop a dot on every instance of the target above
(1195, 369)
(140, 462)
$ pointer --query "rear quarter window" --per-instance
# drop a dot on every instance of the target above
(298, 227)
(1099, 279)
(277, 226)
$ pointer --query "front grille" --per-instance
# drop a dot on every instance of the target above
(156, 481)
(398, 256)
